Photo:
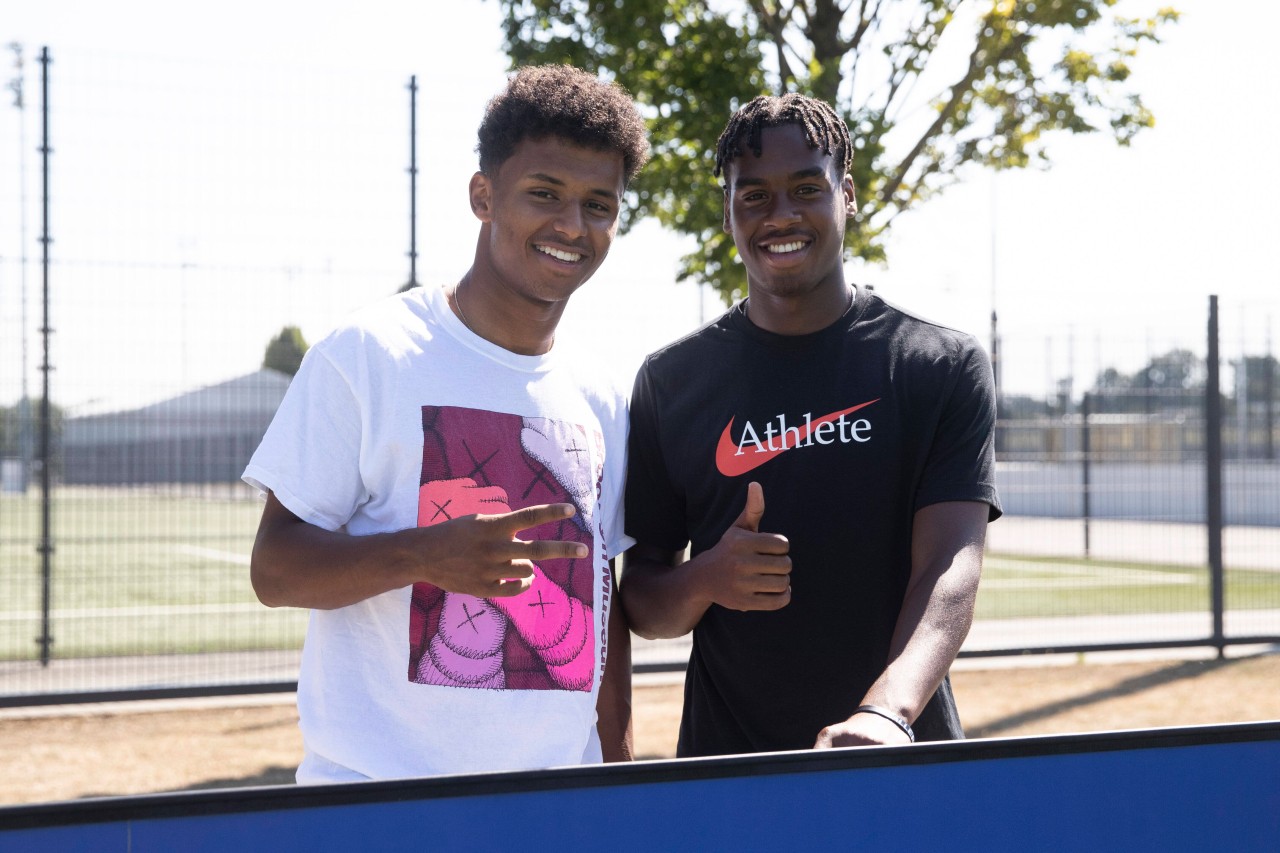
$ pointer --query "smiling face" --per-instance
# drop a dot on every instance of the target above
(786, 211)
(549, 214)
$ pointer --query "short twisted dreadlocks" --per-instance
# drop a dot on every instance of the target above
(541, 101)
(822, 128)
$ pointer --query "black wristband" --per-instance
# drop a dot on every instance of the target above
(890, 716)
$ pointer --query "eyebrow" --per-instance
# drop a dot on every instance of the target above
(811, 172)
(553, 180)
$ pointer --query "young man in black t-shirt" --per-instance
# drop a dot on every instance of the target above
(828, 456)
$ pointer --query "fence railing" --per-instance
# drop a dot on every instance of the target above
(125, 533)
(144, 589)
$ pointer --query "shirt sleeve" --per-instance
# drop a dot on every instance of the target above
(655, 510)
(310, 455)
(961, 460)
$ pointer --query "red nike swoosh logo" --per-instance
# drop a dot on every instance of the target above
(732, 464)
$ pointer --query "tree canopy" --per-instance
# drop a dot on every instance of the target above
(1170, 380)
(285, 351)
(1258, 376)
(928, 87)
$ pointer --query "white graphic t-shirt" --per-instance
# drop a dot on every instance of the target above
(403, 417)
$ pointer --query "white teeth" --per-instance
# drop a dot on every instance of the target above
(559, 255)
(785, 247)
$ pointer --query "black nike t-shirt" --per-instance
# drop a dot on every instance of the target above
(849, 431)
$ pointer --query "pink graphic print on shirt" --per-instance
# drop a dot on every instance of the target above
(475, 461)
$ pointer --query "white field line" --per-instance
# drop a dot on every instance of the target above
(158, 610)
(1050, 576)
(1039, 576)
(234, 557)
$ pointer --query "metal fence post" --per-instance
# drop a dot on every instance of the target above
(1086, 510)
(1213, 476)
(45, 640)
(1268, 402)
(413, 183)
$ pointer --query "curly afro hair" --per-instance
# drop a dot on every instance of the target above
(559, 100)
(822, 128)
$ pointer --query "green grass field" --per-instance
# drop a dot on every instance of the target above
(1016, 587)
(136, 572)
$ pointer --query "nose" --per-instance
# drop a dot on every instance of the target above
(570, 221)
(783, 211)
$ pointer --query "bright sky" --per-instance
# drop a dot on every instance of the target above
(1111, 244)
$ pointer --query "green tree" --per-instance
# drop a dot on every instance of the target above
(9, 430)
(1017, 407)
(1169, 381)
(1261, 377)
(285, 351)
(1175, 371)
(1026, 69)
(20, 431)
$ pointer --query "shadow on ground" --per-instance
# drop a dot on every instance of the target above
(269, 776)
(1168, 675)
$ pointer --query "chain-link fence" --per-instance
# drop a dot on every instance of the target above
(191, 212)
(1141, 487)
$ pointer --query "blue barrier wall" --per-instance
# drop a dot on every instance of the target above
(1193, 789)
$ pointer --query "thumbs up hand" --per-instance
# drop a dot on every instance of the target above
(751, 514)
(747, 569)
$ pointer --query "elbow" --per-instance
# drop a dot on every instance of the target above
(634, 615)
(267, 594)
(643, 634)
(649, 628)
(635, 625)
(266, 584)
(656, 614)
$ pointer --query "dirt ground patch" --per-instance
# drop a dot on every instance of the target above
(135, 748)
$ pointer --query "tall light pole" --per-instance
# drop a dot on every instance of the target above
(413, 183)
(995, 328)
(24, 404)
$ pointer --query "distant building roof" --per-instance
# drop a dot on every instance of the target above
(234, 406)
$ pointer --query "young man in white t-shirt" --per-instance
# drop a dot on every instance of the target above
(444, 486)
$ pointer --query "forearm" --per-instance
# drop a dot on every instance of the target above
(932, 626)
(301, 565)
(613, 706)
(937, 609)
(661, 601)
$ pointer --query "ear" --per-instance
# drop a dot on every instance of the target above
(481, 192)
(850, 196)
(728, 229)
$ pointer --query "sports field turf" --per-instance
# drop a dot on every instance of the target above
(149, 572)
